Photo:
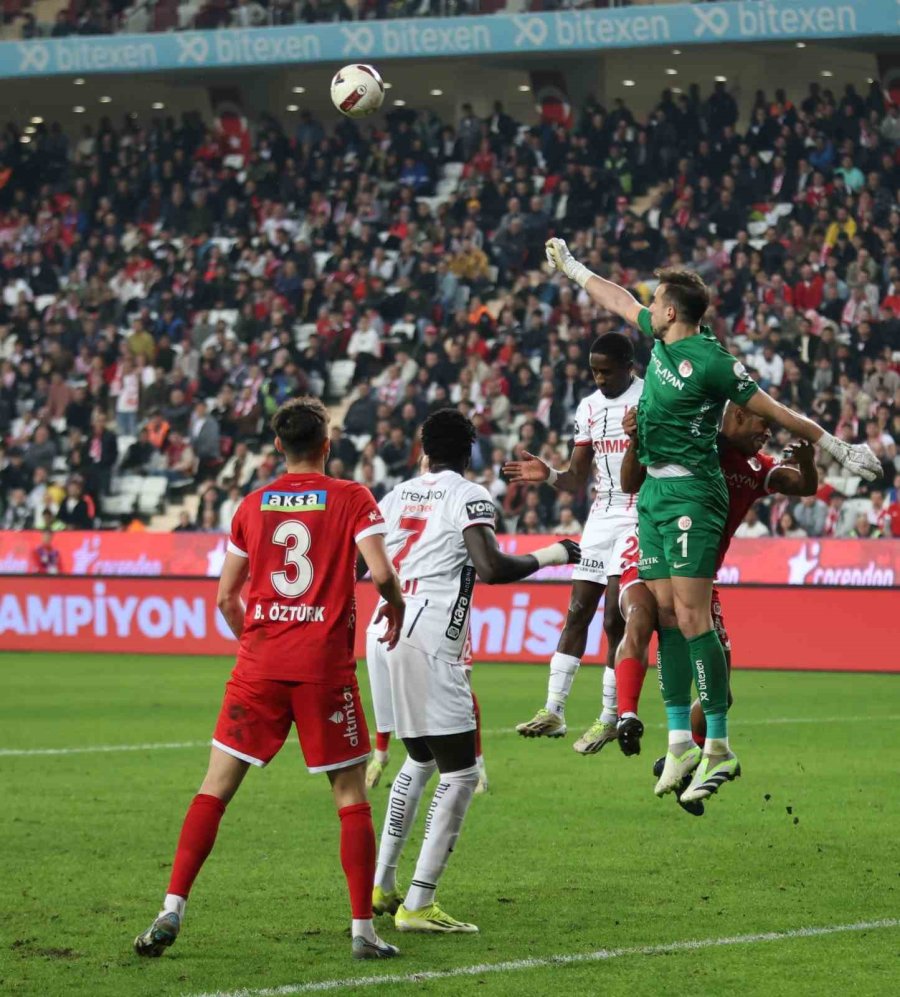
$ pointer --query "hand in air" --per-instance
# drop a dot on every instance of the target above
(860, 460)
(798, 452)
(394, 617)
(557, 254)
(530, 469)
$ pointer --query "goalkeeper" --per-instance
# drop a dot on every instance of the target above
(683, 503)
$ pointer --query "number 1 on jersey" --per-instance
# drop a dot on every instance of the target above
(683, 540)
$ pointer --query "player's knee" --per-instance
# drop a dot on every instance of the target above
(578, 618)
(668, 618)
(693, 622)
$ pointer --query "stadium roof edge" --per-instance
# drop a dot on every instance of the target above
(584, 31)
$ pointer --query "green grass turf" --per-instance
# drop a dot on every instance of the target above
(565, 855)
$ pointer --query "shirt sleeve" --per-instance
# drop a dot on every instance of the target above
(237, 541)
(475, 507)
(582, 434)
(727, 378)
(644, 323)
(365, 517)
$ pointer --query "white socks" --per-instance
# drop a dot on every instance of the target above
(445, 818)
(716, 746)
(381, 756)
(610, 703)
(365, 928)
(174, 904)
(403, 802)
(677, 737)
(562, 674)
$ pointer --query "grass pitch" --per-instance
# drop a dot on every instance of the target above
(565, 856)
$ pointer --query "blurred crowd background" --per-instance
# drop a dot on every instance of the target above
(164, 288)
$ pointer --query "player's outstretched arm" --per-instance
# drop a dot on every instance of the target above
(856, 457)
(494, 567)
(234, 575)
(602, 292)
(798, 474)
(534, 470)
(385, 580)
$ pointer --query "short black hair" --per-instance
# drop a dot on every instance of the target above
(617, 347)
(302, 426)
(685, 292)
(447, 437)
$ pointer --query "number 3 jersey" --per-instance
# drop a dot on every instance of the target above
(300, 534)
(426, 518)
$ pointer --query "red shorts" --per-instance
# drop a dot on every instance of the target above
(256, 718)
(719, 619)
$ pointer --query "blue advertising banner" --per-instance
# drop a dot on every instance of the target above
(570, 31)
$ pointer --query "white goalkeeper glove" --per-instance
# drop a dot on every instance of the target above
(856, 457)
(559, 258)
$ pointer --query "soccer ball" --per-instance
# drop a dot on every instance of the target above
(357, 91)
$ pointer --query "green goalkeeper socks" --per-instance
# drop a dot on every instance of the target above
(711, 675)
(675, 677)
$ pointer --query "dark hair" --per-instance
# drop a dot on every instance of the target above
(302, 426)
(447, 436)
(617, 347)
(686, 292)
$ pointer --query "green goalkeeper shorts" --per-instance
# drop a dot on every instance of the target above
(680, 526)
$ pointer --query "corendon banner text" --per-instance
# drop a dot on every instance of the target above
(770, 628)
(865, 563)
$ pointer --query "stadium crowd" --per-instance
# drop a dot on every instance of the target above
(165, 287)
(102, 17)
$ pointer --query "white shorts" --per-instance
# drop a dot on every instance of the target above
(608, 545)
(379, 681)
(430, 696)
(415, 691)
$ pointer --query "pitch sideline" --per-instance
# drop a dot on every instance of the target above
(516, 965)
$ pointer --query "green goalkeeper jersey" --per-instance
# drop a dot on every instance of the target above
(685, 390)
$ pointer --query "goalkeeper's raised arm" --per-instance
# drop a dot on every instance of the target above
(602, 292)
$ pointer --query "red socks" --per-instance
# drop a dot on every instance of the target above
(198, 835)
(382, 741)
(477, 725)
(358, 857)
(630, 675)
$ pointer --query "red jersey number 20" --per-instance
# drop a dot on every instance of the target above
(297, 575)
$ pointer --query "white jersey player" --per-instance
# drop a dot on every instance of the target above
(609, 543)
(440, 536)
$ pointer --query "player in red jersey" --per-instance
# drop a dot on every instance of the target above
(295, 542)
(749, 474)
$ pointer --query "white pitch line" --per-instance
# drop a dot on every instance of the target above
(516, 965)
(101, 749)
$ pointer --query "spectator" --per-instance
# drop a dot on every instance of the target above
(751, 528)
(787, 527)
(74, 511)
(810, 514)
